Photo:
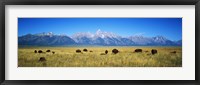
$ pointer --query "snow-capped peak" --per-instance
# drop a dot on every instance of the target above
(98, 31)
(45, 34)
(103, 34)
(83, 34)
(160, 38)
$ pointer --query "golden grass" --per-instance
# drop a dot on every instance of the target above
(67, 57)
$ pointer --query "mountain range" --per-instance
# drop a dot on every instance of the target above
(99, 38)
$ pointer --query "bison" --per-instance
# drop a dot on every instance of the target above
(40, 51)
(42, 59)
(91, 51)
(85, 50)
(35, 51)
(173, 52)
(48, 51)
(53, 52)
(78, 51)
(106, 52)
(115, 51)
(153, 51)
(138, 50)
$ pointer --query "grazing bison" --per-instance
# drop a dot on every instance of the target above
(42, 59)
(106, 52)
(153, 51)
(48, 51)
(91, 51)
(40, 51)
(35, 51)
(173, 52)
(85, 50)
(53, 52)
(138, 50)
(78, 51)
(115, 51)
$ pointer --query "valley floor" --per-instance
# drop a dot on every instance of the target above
(67, 57)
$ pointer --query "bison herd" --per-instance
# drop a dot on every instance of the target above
(40, 51)
(114, 51)
(42, 59)
(153, 51)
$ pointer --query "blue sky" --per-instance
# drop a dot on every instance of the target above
(170, 28)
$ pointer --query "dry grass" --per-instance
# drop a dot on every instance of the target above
(67, 57)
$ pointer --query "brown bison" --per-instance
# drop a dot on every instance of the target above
(153, 51)
(138, 50)
(35, 51)
(42, 59)
(48, 51)
(91, 51)
(106, 52)
(78, 51)
(115, 51)
(85, 50)
(173, 52)
(40, 51)
(53, 52)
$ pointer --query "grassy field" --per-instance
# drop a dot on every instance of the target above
(67, 57)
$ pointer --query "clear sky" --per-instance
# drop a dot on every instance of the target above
(170, 28)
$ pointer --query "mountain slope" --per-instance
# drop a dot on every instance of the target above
(36, 39)
(98, 38)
